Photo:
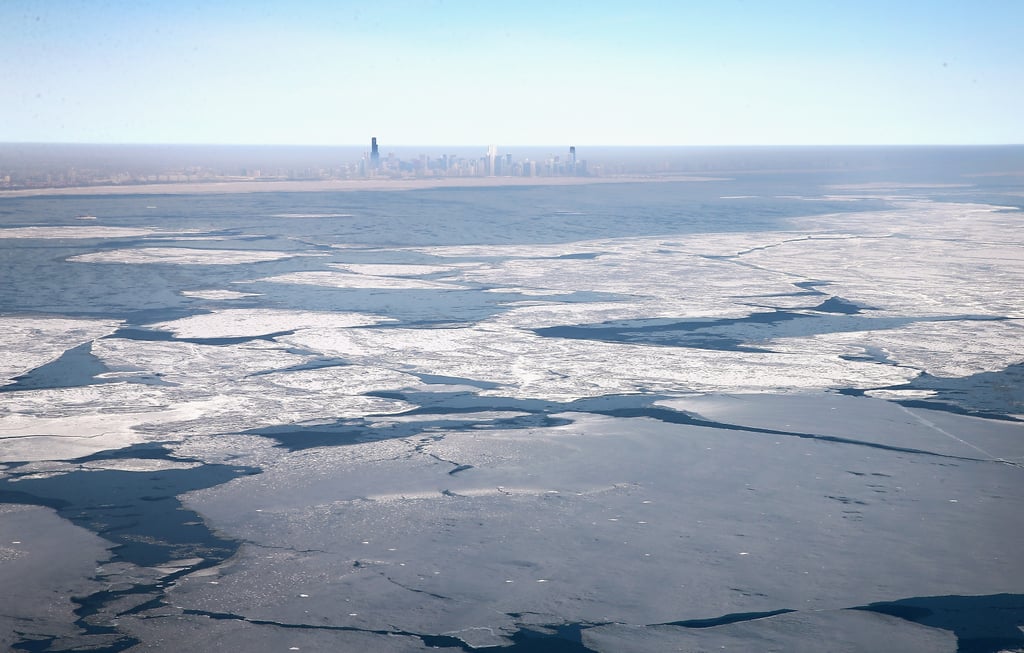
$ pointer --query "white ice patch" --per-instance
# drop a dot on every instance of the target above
(75, 232)
(67, 423)
(351, 280)
(217, 294)
(229, 323)
(139, 464)
(311, 215)
(207, 390)
(880, 186)
(528, 251)
(899, 395)
(27, 343)
(955, 348)
(480, 416)
(659, 279)
(530, 292)
(184, 256)
(526, 365)
(910, 262)
(334, 382)
(393, 269)
(187, 238)
(907, 276)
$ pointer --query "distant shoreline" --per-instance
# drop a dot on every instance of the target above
(341, 185)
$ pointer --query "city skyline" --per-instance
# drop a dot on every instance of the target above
(52, 165)
(59, 166)
(458, 73)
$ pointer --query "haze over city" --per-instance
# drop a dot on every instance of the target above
(522, 73)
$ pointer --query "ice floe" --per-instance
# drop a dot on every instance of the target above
(312, 215)
(538, 292)
(393, 269)
(947, 348)
(76, 232)
(217, 294)
(68, 423)
(184, 256)
(28, 342)
(354, 280)
(527, 365)
(256, 322)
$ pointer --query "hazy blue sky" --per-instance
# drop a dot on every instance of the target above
(513, 72)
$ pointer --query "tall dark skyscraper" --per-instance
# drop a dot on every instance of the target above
(374, 154)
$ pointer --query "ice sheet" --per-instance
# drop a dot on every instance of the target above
(602, 521)
(44, 562)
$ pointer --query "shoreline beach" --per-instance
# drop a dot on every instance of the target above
(344, 185)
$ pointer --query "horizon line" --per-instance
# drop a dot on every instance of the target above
(527, 145)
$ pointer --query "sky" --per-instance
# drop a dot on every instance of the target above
(517, 72)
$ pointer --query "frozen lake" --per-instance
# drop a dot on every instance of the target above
(775, 412)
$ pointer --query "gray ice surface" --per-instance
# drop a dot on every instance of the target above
(847, 631)
(44, 562)
(610, 520)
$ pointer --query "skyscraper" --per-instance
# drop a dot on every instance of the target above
(492, 154)
(374, 154)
